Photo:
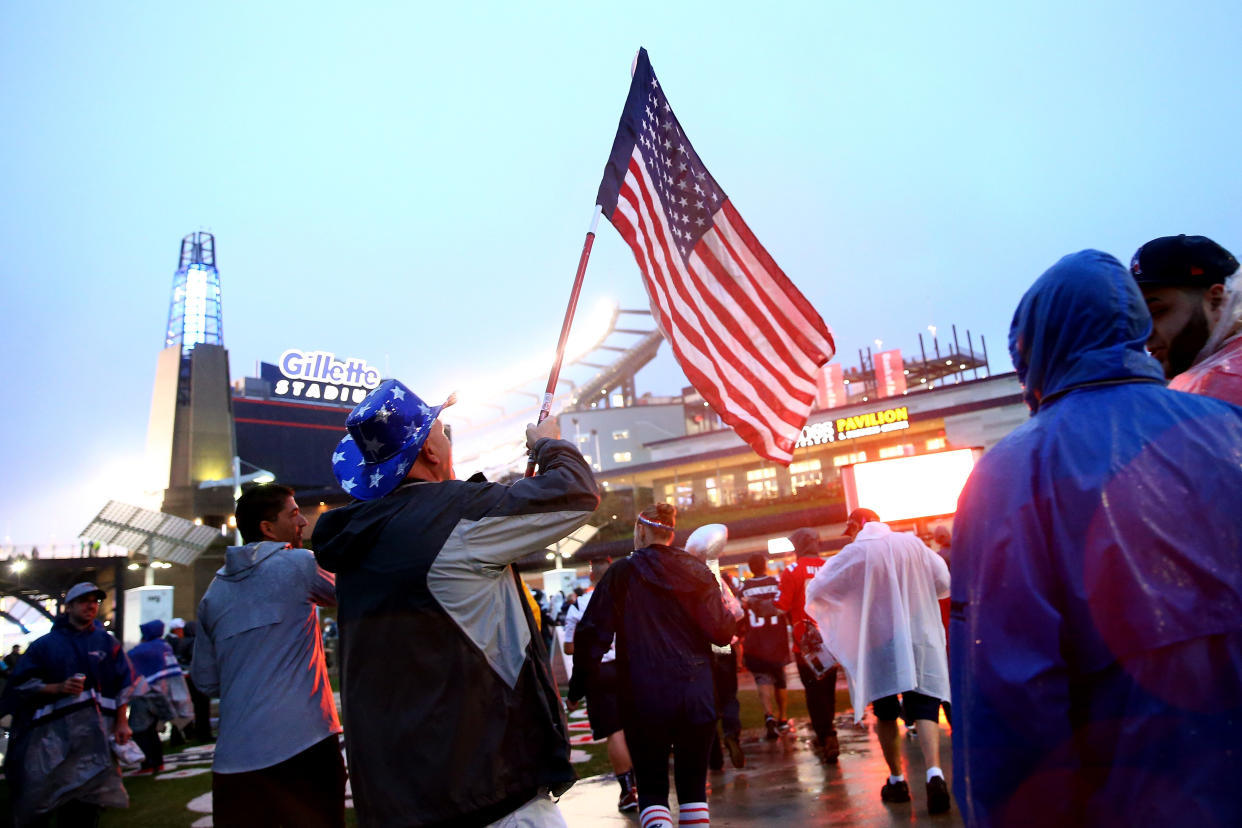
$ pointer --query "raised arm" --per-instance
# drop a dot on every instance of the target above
(535, 511)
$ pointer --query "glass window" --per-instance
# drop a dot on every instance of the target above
(808, 473)
(846, 459)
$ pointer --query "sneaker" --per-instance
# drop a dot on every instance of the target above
(774, 731)
(628, 801)
(831, 747)
(783, 725)
(937, 795)
(895, 792)
(734, 747)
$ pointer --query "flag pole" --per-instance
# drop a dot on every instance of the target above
(555, 375)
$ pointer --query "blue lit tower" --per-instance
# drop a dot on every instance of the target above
(194, 316)
(190, 433)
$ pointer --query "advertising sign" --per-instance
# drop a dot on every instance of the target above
(830, 386)
(890, 374)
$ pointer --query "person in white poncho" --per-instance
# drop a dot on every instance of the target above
(876, 604)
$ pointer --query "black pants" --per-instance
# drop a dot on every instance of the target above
(650, 743)
(202, 712)
(724, 677)
(821, 698)
(305, 790)
(152, 748)
(73, 814)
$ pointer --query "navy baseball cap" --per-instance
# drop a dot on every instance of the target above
(85, 588)
(1182, 261)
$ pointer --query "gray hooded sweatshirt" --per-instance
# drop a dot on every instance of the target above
(260, 650)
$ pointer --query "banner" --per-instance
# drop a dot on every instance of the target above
(830, 386)
(890, 374)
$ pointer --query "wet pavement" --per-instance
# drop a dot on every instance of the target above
(784, 784)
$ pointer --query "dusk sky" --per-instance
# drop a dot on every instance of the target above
(411, 184)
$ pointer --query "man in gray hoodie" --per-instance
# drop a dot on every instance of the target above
(278, 759)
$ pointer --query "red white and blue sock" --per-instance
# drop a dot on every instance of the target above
(693, 813)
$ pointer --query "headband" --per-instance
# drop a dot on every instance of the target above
(654, 524)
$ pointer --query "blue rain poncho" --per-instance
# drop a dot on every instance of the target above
(59, 748)
(155, 660)
(1096, 632)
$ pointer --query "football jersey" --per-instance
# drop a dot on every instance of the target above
(766, 637)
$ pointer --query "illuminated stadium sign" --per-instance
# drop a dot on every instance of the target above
(907, 488)
(319, 375)
(851, 428)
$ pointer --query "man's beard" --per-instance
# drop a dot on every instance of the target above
(1184, 347)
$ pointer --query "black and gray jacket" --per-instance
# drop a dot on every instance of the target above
(451, 715)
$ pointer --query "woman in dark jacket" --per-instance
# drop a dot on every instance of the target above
(664, 607)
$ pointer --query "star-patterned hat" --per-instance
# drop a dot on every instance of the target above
(386, 432)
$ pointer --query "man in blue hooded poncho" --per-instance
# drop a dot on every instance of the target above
(1096, 631)
(167, 699)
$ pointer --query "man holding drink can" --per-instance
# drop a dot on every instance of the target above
(68, 696)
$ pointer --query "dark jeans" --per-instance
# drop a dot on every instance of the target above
(73, 814)
(305, 790)
(821, 699)
(650, 743)
(152, 748)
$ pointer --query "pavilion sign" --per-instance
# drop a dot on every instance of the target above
(851, 428)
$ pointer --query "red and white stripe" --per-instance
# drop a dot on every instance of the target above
(746, 338)
(693, 813)
(655, 816)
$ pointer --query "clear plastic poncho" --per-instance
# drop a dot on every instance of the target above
(877, 606)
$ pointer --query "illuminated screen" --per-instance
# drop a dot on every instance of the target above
(913, 487)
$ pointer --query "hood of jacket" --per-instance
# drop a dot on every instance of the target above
(240, 561)
(1082, 323)
(342, 535)
(672, 569)
(152, 630)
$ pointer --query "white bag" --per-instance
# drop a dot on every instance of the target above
(128, 754)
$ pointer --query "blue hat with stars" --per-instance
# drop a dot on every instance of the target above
(386, 432)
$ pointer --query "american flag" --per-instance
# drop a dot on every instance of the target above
(745, 337)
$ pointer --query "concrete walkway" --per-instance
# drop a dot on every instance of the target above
(783, 784)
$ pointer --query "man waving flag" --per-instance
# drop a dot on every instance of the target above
(745, 337)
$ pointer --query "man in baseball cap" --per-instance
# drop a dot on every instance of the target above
(1193, 295)
(68, 693)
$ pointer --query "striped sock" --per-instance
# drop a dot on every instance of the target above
(693, 813)
(655, 816)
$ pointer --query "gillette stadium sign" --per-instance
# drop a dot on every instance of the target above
(320, 376)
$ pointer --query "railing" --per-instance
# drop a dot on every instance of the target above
(77, 549)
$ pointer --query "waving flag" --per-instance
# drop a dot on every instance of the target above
(746, 338)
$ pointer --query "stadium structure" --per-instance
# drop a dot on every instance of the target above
(209, 436)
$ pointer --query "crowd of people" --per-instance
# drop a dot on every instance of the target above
(1093, 657)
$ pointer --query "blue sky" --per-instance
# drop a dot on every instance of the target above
(412, 185)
